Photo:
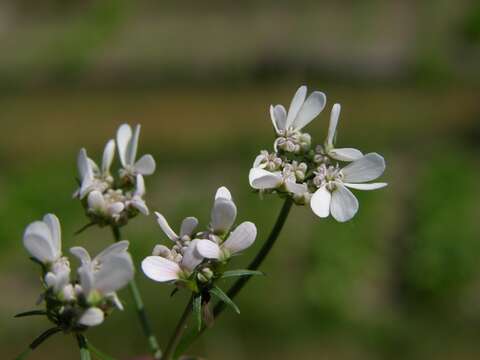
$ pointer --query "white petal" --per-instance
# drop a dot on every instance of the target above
(223, 215)
(37, 241)
(224, 193)
(116, 271)
(85, 274)
(140, 205)
(294, 188)
(188, 226)
(370, 186)
(344, 204)
(367, 168)
(310, 109)
(258, 160)
(145, 165)
(92, 317)
(140, 186)
(279, 117)
(161, 250)
(133, 146)
(116, 301)
(165, 227)
(191, 257)
(96, 201)
(116, 248)
(84, 168)
(108, 155)
(295, 105)
(345, 154)
(54, 225)
(124, 134)
(208, 249)
(160, 269)
(261, 179)
(332, 128)
(94, 167)
(241, 238)
(81, 254)
(115, 208)
(320, 202)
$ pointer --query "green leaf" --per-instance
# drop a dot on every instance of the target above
(216, 291)
(238, 273)
(31, 313)
(197, 310)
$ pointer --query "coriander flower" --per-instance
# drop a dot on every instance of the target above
(333, 196)
(43, 240)
(127, 142)
(288, 126)
(285, 180)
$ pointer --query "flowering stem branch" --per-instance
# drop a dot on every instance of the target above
(254, 265)
(82, 344)
(179, 329)
(141, 313)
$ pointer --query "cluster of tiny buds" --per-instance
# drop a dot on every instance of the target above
(293, 141)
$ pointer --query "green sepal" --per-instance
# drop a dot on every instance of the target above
(216, 291)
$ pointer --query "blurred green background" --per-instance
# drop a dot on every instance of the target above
(400, 281)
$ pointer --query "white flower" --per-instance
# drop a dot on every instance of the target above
(342, 154)
(240, 239)
(162, 269)
(224, 212)
(127, 148)
(333, 196)
(91, 176)
(107, 205)
(43, 239)
(137, 199)
(108, 272)
(261, 179)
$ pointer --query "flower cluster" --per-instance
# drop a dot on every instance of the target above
(310, 174)
(75, 305)
(197, 258)
(110, 201)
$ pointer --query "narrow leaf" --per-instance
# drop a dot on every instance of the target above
(197, 310)
(216, 291)
(239, 273)
(31, 313)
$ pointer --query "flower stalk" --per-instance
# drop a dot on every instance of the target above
(82, 344)
(140, 307)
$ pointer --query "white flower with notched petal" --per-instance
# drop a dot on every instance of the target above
(163, 269)
(43, 240)
(240, 239)
(91, 176)
(127, 142)
(301, 112)
(333, 196)
(341, 154)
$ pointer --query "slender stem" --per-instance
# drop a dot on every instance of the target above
(24, 354)
(97, 352)
(82, 345)
(141, 313)
(254, 265)
(179, 329)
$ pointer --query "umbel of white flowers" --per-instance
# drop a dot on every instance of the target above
(75, 305)
(109, 200)
(196, 259)
(314, 175)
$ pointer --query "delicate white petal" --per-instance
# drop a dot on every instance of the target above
(223, 215)
(92, 317)
(116, 248)
(320, 202)
(188, 226)
(370, 186)
(96, 201)
(310, 109)
(261, 179)
(115, 208)
(140, 186)
(295, 105)
(279, 117)
(258, 160)
(140, 205)
(124, 134)
(85, 274)
(224, 193)
(81, 254)
(165, 227)
(38, 245)
(208, 249)
(56, 232)
(241, 238)
(145, 165)
(84, 168)
(133, 146)
(87, 186)
(160, 269)
(116, 271)
(345, 154)
(94, 167)
(294, 188)
(191, 257)
(332, 128)
(367, 168)
(344, 204)
(108, 155)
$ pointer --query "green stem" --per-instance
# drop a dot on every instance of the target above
(24, 354)
(254, 265)
(141, 313)
(82, 345)
(179, 329)
(97, 352)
